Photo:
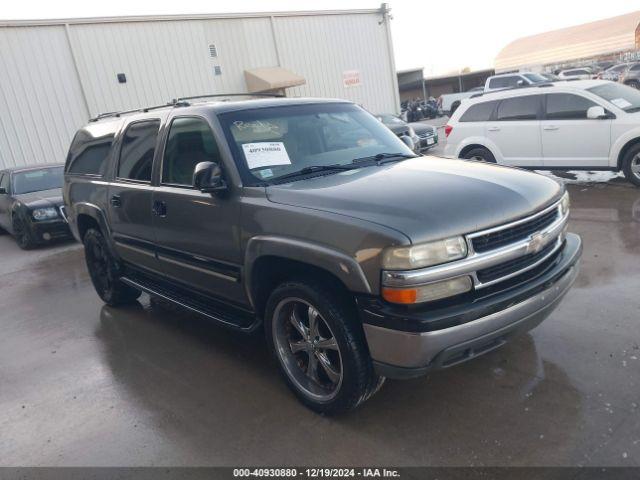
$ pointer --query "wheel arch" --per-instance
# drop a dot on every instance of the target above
(467, 148)
(270, 260)
(625, 149)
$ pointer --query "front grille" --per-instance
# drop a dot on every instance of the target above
(500, 238)
(507, 268)
(426, 135)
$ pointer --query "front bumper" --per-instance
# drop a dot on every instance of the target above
(424, 142)
(408, 344)
(48, 230)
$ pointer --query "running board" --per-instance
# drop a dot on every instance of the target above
(226, 316)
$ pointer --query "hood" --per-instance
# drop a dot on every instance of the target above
(419, 127)
(426, 198)
(398, 129)
(42, 199)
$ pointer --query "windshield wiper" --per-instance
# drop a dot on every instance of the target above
(313, 169)
(382, 158)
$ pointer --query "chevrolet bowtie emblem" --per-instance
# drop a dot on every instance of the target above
(536, 243)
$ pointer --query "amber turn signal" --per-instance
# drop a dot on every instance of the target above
(396, 295)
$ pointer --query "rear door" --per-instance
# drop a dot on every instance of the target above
(515, 130)
(5, 201)
(131, 194)
(197, 233)
(569, 138)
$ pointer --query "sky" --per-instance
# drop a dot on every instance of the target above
(442, 36)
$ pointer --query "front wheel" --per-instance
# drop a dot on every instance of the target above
(103, 270)
(634, 84)
(631, 165)
(479, 154)
(320, 347)
(22, 235)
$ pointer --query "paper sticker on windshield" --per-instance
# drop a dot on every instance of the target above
(621, 102)
(265, 154)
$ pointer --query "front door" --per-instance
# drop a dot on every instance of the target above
(5, 201)
(197, 233)
(516, 130)
(131, 196)
(569, 138)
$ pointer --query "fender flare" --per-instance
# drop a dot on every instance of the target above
(93, 211)
(333, 261)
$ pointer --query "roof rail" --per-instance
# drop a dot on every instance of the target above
(520, 87)
(183, 101)
(101, 116)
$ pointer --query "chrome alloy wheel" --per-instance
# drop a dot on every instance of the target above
(307, 349)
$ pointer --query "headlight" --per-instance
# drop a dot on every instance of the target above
(429, 292)
(424, 255)
(44, 213)
(565, 204)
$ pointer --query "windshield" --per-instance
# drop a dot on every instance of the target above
(390, 119)
(37, 180)
(623, 97)
(535, 78)
(271, 142)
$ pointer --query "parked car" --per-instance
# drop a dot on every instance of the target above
(31, 207)
(400, 128)
(584, 73)
(427, 135)
(512, 80)
(631, 76)
(550, 77)
(450, 101)
(357, 259)
(613, 73)
(586, 124)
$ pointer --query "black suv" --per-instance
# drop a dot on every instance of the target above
(310, 219)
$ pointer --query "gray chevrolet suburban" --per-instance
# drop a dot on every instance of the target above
(310, 219)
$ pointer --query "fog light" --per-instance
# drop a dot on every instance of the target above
(428, 293)
(46, 236)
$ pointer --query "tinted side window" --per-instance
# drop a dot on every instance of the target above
(4, 181)
(480, 112)
(563, 106)
(504, 82)
(138, 148)
(190, 142)
(88, 154)
(519, 108)
(635, 68)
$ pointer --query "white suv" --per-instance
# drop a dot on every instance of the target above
(584, 124)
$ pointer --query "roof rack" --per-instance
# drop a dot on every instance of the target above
(520, 87)
(181, 102)
(125, 112)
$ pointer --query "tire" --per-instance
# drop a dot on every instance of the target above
(631, 165)
(22, 235)
(330, 372)
(634, 84)
(104, 271)
(480, 154)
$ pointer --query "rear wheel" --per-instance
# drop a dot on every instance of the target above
(22, 235)
(104, 271)
(631, 165)
(320, 348)
(479, 154)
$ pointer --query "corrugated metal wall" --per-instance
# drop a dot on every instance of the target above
(54, 77)
(42, 103)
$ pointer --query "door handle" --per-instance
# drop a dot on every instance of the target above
(550, 127)
(159, 208)
(494, 129)
(116, 201)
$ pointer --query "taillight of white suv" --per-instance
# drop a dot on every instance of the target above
(447, 130)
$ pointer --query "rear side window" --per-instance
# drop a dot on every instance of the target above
(480, 112)
(504, 82)
(88, 154)
(635, 68)
(4, 181)
(564, 106)
(519, 108)
(138, 149)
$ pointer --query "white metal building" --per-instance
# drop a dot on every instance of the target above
(56, 74)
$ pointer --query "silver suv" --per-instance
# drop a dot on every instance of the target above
(312, 221)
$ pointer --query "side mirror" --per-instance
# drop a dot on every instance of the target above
(408, 141)
(596, 113)
(520, 83)
(207, 177)
(3, 191)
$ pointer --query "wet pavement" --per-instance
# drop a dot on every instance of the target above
(84, 384)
